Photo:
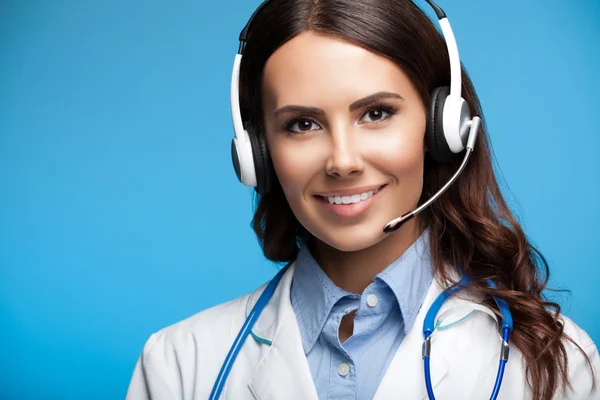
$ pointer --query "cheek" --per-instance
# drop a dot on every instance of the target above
(407, 160)
(292, 166)
(400, 155)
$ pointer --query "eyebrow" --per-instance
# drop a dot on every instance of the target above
(357, 104)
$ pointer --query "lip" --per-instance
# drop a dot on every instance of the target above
(350, 210)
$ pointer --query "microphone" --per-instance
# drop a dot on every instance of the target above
(396, 223)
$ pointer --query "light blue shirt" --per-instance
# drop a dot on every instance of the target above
(386, 310)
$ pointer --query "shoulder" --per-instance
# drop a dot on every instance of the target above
(473, 344)
(209, 326)
(178, 360)
(583, 367)
(575, 332)
(583, 362)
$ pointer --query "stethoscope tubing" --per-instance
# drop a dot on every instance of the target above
(499, 375)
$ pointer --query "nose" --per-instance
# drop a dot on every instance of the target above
(345, 159)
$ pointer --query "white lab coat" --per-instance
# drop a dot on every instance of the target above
(182, 361)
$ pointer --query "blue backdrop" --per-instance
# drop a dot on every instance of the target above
(119, 209)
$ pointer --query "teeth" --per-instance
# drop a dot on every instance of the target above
(355, 198)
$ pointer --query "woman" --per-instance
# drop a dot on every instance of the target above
(341, 94)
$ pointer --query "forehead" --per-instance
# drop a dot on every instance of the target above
(313, 69)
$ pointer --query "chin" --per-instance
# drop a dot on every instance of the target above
(349, 240)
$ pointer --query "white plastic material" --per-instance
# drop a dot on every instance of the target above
(456, 110)
(473, 131)
(455, 72)
(456, 121)
(241, 139)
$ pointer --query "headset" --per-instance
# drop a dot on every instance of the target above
(446, 135)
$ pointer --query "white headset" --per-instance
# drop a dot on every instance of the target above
(448, 121)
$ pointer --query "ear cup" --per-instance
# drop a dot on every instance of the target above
(262, 161)
(434, 135)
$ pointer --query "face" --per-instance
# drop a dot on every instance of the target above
(343, 125)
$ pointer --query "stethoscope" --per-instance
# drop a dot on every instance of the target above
(428, 329)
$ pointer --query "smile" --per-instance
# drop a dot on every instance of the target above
(351, 205)
(355, 198)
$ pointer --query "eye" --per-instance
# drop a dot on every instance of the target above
(301, 125)
(378, 113)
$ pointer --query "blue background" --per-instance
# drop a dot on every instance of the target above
(119, 209)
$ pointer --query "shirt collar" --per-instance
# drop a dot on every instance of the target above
(409, 277)
(313, 294)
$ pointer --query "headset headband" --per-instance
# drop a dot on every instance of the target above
(454, 113)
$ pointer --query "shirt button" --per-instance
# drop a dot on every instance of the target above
(372, 300)
(343, 369)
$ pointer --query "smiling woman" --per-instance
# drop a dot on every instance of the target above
(351, 118)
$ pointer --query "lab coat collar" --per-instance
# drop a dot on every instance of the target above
(285, 358)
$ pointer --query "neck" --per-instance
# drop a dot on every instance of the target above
(353, 271)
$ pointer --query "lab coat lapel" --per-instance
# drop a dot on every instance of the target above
(283, 371)
(404, 378)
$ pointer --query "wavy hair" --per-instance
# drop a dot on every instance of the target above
(470, 224)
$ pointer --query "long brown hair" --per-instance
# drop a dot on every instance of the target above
(470, 225)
